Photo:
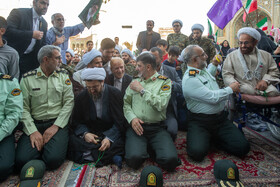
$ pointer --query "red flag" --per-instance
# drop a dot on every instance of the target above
(251, 6)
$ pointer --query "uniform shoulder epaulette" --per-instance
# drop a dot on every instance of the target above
(162, 77)
(7, 77)
(61, 70)
(30, 73)
(192, 73)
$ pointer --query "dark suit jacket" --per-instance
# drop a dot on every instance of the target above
(171, 73)
(142, 40)
(125, 82)
(20, 30)
(84, 114)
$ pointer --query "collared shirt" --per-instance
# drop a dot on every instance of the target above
(202, 92)
(118, 83)
(46, 98)
(9, 60)
(10, 105)
(67, 32)
(36, 22)
(151, 107)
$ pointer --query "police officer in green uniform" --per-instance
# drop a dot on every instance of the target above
(47, 104)
(177, 39)
(206, 103)
(204, 42)
(10, 113)
(145, 104)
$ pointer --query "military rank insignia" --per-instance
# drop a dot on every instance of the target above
(151, 180)
(193, 73)
(68, 82)
(165, 87)
(162, 77)
(16, 92)
(230, 173)
(29, 172)
(39, 74)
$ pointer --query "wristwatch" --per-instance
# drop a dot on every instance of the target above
(142, 92)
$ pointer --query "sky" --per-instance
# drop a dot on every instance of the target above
(116, 13)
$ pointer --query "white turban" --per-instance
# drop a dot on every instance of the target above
(71, 52)
(89, 56)
(128, 52)
(93, 74)
(198, 27)
(250, 31)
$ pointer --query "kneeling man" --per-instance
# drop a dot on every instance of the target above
(98, 122)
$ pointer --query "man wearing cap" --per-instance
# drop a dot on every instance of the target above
(127, 55)
(59, 35)
(10, 113)
(145, 104)
(69, 54)
(119, 79)
(204, 42)
(206, 102)
(98, 121)
(147, 39)
(47, 105)
(177, 39)
(170, 72)
(90, 60)
(254, 69)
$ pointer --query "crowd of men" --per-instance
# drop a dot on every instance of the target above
(111, 105)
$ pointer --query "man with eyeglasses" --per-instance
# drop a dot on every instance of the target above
(147, 39)
(59, 35)
(48, 101)
(254, 69)
(206, 102)
(98, 122)
(177, 39)
(26, 33)
(204, 42)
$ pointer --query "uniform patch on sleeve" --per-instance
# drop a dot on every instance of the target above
(192, 73)
(68, 82)
(8, 77)
(152, 180)
(16, 92)
(165, 87)
(162, 77)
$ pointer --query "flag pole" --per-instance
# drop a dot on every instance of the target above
(247, 16)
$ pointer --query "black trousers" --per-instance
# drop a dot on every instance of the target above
(203, 128)
(7, 156)
(53, 153)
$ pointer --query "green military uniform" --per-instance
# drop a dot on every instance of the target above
(130, 70)
(206, 44)
(206, 102)
(180, 40)
(151, 109)
(46, 101)
(71, 69)
(10, 113)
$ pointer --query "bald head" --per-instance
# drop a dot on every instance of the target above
(117, 67)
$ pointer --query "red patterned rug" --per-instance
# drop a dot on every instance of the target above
(261, 167)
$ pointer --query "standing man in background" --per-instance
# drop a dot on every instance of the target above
(26, 33)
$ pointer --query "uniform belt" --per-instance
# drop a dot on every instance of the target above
(44, 121)
(207, 115)
(150, 124)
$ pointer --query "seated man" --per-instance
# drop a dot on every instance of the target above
(145, 104)
(98, 122)
(119, 79)
(10, 113)
(48, 101)
(206, 102)
(254, 69)
(90, 60)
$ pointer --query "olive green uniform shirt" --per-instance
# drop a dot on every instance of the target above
(151, 106)
(10, 105)
(46, 98)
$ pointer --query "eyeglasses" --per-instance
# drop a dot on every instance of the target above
(176, 25)
(245, 43)
(202, 55)
(92, 87)
(60, 19)
(58, 57)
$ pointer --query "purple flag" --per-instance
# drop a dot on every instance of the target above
(223, 11)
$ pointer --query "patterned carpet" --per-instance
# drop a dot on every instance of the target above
(261, 167)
